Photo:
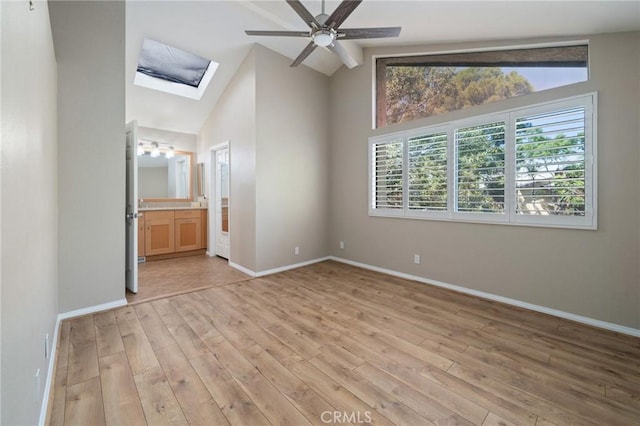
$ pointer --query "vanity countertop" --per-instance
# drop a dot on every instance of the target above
(150, 209)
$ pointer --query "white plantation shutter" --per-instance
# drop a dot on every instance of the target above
(480, 172)
(427, 158)
(550, 167)
(527, 166)
(387, 175)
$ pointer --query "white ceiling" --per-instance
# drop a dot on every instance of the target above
(215, 30)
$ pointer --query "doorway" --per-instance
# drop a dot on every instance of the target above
(219, 236)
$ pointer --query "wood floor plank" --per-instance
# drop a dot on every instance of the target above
(441, 388)
(107, 334)
(426, 407)
(84, 404)
(158, 401)
(235, 404)
(197, 404)
(156, 331)
(391, 406)
(305, 399)
(275, 406)
(267, 341)
(184, 336)
(83, 352)
(121, 400)
(336, 394)
(137, 346)
(524, 399)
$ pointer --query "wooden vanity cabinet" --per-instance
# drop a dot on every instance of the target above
(159, 232)
(141, 235)
(188, 232)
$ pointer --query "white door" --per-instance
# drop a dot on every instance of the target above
(131, 214)
(221, 167)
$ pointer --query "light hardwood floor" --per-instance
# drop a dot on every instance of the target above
(328, 338)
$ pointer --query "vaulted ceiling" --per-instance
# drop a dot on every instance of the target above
(215, 30)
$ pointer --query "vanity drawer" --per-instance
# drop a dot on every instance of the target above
(158, 215)
(187, 214)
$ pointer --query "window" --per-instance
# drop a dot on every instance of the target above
(529, 166)
(172, 70)
(412, 87)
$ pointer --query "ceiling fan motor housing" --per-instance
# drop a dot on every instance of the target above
(323, 37)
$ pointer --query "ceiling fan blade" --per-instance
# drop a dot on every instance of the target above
(357, 33)
(278, 33)
(339, 50)
(342, 12)
(303, 55)
(303, 13)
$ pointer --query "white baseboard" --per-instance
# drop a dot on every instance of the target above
(242, 269)
(293, 266)
(92, 309)
(53, 352)
(276, 270)
(555, 312)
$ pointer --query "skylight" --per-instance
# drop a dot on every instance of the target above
(172, 70)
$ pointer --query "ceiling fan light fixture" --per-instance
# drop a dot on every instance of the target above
(323, 38)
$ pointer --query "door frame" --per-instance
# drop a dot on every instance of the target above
(131, 207)
(213, 225)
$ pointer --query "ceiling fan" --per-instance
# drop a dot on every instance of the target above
(325, 31)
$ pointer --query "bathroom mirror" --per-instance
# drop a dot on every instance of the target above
(165, 179)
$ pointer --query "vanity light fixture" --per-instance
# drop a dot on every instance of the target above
(155, 151)
(170, 153)
(140, 149)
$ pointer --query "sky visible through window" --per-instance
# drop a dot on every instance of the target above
(550, 77)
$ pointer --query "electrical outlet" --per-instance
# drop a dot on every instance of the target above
(296, 251)
(416, 259)
(341, 244)
(46, 346)
(36, 396)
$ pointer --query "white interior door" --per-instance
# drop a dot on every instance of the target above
(131, 214)
(221, 167)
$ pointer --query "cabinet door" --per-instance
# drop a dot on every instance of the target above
(159, 233)
(141, 235)
(188, 234)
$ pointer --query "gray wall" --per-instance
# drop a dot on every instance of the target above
(292, 161)
(590, 273)
(89, 44)
(234, 119)
(29, 207)
(279, 160)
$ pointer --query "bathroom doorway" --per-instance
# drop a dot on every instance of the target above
(219, 236)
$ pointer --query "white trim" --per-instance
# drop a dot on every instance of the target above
(508, 301)
(242, 269)
(492, 48)
(293, 266)
(212, 231)
(179, 89)
(278, 269)
(53, 353)
(92, 309)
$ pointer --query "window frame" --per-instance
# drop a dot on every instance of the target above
(589, 221)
